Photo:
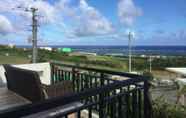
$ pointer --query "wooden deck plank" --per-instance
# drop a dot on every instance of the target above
(52, 112)
(9, 99)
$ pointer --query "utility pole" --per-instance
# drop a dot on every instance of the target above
(34, 30)
(130, 52)
(34, 35)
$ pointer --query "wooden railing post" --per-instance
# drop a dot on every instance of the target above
(147, 102)
(139, 104)
(102, 79)
(134, 104)
(73, 79)
(52, 74)
(101, 98)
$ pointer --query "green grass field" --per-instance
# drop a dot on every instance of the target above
(13, 59)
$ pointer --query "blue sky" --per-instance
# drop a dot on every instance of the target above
(95, 22)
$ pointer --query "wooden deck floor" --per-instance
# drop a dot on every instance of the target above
(9, 99)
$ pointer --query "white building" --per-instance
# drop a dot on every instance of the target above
(46, 48)
(11, 45)
(82, 54)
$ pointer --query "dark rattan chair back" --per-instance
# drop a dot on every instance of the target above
(24, 82)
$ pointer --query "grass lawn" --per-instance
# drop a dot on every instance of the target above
(13, 59)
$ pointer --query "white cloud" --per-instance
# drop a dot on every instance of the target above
(86, 20)
(5, 25)
(45, 10)
(22, 21)
(91, 21)
(128, 12)
(76, 20)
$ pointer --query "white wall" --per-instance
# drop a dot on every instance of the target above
(2, 77)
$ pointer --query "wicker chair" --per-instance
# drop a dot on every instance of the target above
(27, 84)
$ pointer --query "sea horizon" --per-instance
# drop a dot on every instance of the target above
(118, 49)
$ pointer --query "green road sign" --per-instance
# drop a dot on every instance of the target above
(67, 50)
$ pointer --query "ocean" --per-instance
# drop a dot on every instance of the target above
(136, 50)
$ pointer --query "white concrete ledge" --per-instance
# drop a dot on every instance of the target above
(43, 69)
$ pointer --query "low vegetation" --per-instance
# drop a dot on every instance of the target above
(106, 62)
(162, 109)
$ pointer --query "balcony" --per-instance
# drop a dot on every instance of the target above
(95, 94)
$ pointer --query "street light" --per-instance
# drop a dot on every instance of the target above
(130, 36)
(150, 61)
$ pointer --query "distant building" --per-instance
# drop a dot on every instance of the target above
(143, 56)
(114, 54)
(156, 56)
(164, 57)
(24, 49)
(46, 48)
(153, 56)
(7, 54)
(11, 45)
(82, 54)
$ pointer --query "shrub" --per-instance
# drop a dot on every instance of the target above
(162, 109)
